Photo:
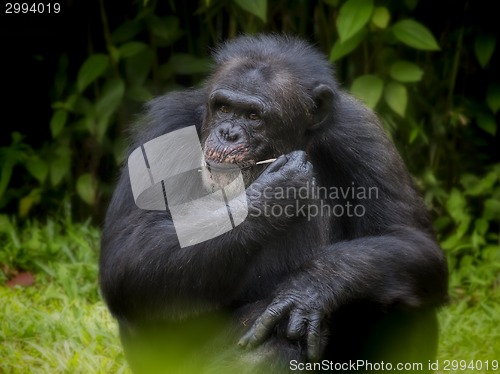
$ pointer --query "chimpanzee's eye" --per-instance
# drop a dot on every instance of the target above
(224, 109)
(254, 116)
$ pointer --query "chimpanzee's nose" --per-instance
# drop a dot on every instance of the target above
(229, 133)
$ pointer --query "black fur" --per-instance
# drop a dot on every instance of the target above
(293, 288)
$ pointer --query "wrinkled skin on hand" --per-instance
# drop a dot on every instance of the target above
(307, 311)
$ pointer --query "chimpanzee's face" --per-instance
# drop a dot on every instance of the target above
(251, 116)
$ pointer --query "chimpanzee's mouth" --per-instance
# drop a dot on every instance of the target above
(228, 159)
(217, 174)
(228, 167)
(231, 167)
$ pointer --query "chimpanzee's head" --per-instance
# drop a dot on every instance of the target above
(264, 99)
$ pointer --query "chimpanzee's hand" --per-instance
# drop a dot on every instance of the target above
(290, 170)
(288, 182)
(307, 309)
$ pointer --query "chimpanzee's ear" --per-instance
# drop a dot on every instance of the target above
(323, 100)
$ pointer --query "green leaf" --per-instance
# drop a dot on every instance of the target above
(484, 46)
(463, 225)
(493, 96)
(86, 188)
(126, 31)
(381, 17)
(414, 34)
(112, 95)
(166, 28)
(353, 15)
(187, 64)
(6, 174)
(139, 93)
(396, 96)
(430, 178)
(487, 122)
(340, 49)
(57, 122)
(119, 150)
(60, 165)
(68, 104)
(86, 124)
(474, 186)
(101, 127)
(441, 223)
(16, 152)
(481, 226)
(450, 242)
(333, 3)
(83, 106)
(414, 133)
(27, 202)
(411, 4)
(91, 69)
(106, 106)
(368, 88)
(131, 49)
(114, 53)
(491, 253)
(405, 71)
(37, 167)
(256, 7)
(137, 67)
(456, 206)
(6, 226)
(491, 209)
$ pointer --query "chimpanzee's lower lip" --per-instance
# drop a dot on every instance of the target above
(225, 166)
(231, 166)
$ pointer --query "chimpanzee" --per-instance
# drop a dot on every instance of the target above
(344, 272)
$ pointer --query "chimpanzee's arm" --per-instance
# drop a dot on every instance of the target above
(146, 274)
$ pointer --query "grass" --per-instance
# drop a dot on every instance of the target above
(60, 324)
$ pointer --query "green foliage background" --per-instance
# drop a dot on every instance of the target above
(428, 68)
